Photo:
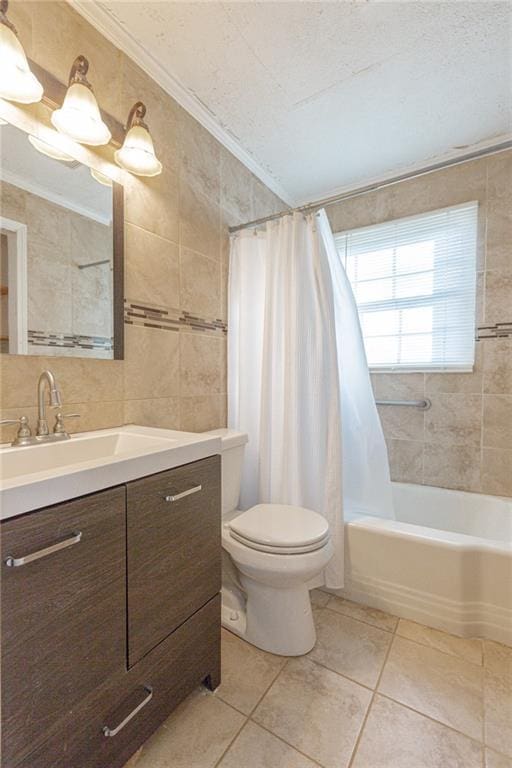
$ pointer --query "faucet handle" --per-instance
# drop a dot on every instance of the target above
(24, 431)
(59, 428)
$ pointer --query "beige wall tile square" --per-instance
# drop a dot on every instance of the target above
(199, 158)
(201, 361)
(163, 412)
(257, 748)
(452, 466)
(440, 686)
(364, 613)
(497, 421)
(316, 711)
(396, 737)
(454, 419)
(494, 760)
(202, 412)
(451, 383)
(405, 460)
(497, 471)
(401, 423)
(247, 673)
(350, 647)
(398, 386)
(195, 736)
(152, 203)
(152, 363)
(497, 366)
(200, 284)
(355, 212)
(498, 290)
(235, 180)
(264, 204)
(199, 222)
(152, 268)
(469, 649)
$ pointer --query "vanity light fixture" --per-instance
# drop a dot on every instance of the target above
(137, 154)
(17, 82)
(101, 178)
(79, 117)
(50, 151)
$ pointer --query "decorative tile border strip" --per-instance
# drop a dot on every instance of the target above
(71, 340)
(167, 319)
(497, 331)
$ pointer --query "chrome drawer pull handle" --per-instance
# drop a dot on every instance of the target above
(182, 495)
(15, 562)
(114, 731)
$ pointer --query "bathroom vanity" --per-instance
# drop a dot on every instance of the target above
(110, 598)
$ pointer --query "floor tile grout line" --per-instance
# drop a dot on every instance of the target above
(275, 735)
(232, 741)
(367, 715)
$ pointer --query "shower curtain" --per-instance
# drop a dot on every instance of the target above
(287, 359)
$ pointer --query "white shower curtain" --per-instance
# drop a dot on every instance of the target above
(285, 369)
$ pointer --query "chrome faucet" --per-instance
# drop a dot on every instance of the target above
(46, 379)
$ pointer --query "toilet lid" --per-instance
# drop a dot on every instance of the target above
(280, 526)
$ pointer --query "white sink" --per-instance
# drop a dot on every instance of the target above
(36, 476)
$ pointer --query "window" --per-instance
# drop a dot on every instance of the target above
(414, 284)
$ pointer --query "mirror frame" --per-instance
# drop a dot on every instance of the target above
(53, 96)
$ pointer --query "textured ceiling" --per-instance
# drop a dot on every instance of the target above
(330, 95)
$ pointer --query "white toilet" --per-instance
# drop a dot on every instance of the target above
(274, 551)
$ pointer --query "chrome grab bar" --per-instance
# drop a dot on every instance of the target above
(114, 731)
(182, 495)
(15, 562)
(423, 405)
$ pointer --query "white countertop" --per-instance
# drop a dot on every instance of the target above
(32, 477)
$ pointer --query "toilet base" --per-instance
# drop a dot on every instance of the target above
(279, 621)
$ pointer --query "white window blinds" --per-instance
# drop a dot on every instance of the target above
(414, 283)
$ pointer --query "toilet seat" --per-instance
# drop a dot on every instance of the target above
(280, 529)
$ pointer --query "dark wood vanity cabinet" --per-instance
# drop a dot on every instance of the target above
(110, 617)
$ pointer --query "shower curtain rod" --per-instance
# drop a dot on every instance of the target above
(377, 185)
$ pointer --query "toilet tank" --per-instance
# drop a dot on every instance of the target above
(232, 457)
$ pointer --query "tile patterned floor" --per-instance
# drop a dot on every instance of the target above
(375, 692)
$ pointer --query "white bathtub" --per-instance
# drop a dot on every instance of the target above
(445, 561)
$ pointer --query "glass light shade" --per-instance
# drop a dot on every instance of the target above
(137, 154)
(17, 83)
(50, 151)
(80, 118)
(101, 178)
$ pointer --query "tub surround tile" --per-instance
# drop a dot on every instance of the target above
(365, 613)
(440, 686)
(452, 466)
(406, 460)
(497, 421)
(398, 386)
(498, 290)
(398, 424)
(350, 647)
(258, 748)
(247, 673)
(316, 711)
(464, 648)
(497, 471)
(396, 737)
(497, 367)
(201, 361)
(195, 736)
(453, 383)
(454, 419)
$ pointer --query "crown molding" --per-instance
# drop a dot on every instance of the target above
(101, 19)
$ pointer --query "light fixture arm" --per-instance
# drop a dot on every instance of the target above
(4, 5)
(136, 116)
(78, 72)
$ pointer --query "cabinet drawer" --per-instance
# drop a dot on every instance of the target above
(63, 612)
(148, 693)
(174, 550)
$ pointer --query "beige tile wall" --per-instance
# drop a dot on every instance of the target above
(465, 440)
(176, 249)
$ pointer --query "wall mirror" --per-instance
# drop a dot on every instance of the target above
(61, 271)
